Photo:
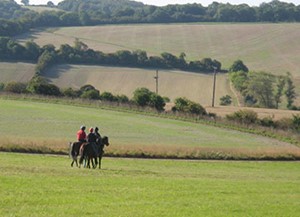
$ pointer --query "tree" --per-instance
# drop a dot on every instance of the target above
(225, 100)
(290, 91)
(141, 96)
(183, 104)
(50, 4)
(279, 91)
(25, 2)
(260, 86)
(15, 87)
(237, 66)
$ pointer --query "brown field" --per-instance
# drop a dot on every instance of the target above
(16, 71)
(276, 114)
(269, 47)
(173, 84)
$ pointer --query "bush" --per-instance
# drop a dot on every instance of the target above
(2, 85)
(107, 96)
(69, 92)
(183, 104)
(225, 100)
(267, 122)
(122, 98)
(15, 87)
(144, 97)
(243, 116)
(90, 94)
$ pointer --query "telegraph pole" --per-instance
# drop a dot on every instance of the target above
(214, 88)
(156, 79)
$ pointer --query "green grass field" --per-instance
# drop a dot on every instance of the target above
(39, 185)
(46, 126)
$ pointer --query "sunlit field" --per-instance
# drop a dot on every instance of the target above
(47, 127)
(39, 185)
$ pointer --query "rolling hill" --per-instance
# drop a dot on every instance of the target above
(173, 84)
(269, 47)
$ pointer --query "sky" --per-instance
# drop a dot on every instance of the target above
(166, 2)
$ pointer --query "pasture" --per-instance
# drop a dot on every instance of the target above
(262, 47)
(48, 128)
(119, 80)
(41, 185)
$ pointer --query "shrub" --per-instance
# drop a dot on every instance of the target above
(107, 96)
(243, 116)
(90, 94)
(2, 85)
(122, 98)
(69, 92)
(267, 122)
(225, 100)
(15, 87)
(183, 104)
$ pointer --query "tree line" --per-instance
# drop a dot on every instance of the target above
(15, 19)
(262, 89)
(79, 53)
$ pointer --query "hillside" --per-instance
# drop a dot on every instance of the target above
(262, 47)
(117, 80)
(16, 71)
(49, 127)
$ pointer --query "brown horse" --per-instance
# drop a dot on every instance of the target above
(74, 151)
(92, 151)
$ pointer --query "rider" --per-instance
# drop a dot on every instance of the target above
(99, 141)
(92, 139)
(81, 136)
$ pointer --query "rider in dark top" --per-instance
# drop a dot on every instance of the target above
(91, 138)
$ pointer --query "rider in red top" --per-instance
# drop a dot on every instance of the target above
(81, 136)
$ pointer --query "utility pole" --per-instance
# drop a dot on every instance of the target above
(214, 88)
(156, 79)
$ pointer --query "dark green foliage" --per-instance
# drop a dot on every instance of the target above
(296, 122)
(39, 85)
(94, 12)
(70, 92)
(238, 66)
(267, 122)
(122, 98)
(183, 104)
(15, 87)
(145, 97)
(239, 80)
(279, 90)
(290, 91)
(260, 87)
(243, 116)
(45, 61)
(225, 100)
(2, 85)
(107, 96)
(90, 94)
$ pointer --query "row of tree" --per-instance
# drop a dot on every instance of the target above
(15, 19)
(48, 55)
(141, 96)
(262, 89)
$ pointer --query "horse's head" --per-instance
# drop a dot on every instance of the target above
(105, 140)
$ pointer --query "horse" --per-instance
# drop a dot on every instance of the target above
(74, 151)
(92, 151)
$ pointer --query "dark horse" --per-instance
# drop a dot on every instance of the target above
(91, 151)
(74, 151)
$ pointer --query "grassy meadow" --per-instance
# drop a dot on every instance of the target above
(47, 127)
(41, 185)
(269, 47)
